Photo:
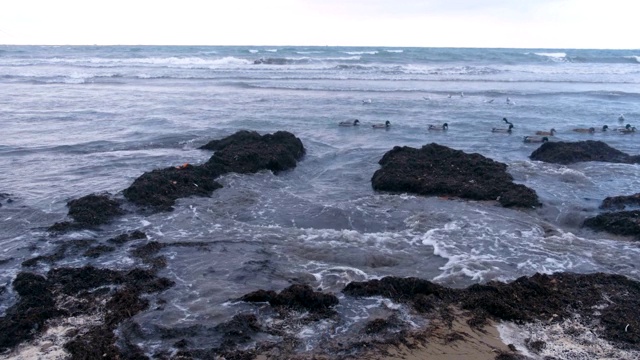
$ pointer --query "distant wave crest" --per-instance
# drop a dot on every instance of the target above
(553, 56)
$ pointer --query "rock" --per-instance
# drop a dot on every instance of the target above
(541, 297)
(621, 202)
(160, 188)
(248, 152)
(294, 297)
(441, 171)
(89, 211)
(625, 223)
(242, 152)
(572, 152)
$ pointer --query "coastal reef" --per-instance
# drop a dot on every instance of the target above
(572, 152)
(441, 171)
(242, 152)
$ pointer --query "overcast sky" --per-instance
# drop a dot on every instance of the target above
(422, 23)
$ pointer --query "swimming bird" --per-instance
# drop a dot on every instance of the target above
(535, 139)
(506, 121)
(629, 130)
(626, 127)
(502, 130)
(428, 98)
(382, 126)
(355, 122)
(442, 127)
(365, 102)
(590, 130)
(449, 96)
(552, 132)
(510, 102)
(621, 118)
(604, 128)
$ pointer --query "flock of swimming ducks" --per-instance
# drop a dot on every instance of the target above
(539, 137)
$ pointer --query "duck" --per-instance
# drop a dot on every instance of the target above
(621, 118)
(355, 122)
(510, 102)
(590, 130)
(604, 128)
(365, 102)
(551, 132)
(535, 139)
(629, 130)
(502, 130)
(507, 121)
(626, 127)
(382, 126)
(442, 127)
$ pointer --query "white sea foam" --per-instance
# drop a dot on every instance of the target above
(254, 51)
(569, 340)
(394, 51)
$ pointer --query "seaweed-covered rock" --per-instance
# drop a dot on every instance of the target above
(75, 292)
(89, 211)
(160, 188)
(28, 316)
(621, 202)
(242, 152)
(438, 170)
(249, 152)
(626, 223)
(561, 152)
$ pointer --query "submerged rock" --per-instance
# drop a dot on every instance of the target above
(438, 170)
(561, 152)
(294, 297)
(242, 152)
(625, 223)
(621, 202)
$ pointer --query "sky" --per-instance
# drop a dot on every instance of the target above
(600, 24)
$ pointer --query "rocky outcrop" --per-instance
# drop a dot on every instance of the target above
(242, 152)
(572, 152)
(438, 170)
(625, 223)
(89, 211)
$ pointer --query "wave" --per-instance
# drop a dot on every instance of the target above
(554, 56)
(634, 58)
(395, 51)
(302, 60)
(361, 52)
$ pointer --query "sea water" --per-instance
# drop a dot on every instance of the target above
(81, 120)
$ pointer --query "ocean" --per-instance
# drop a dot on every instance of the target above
(77, 120)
